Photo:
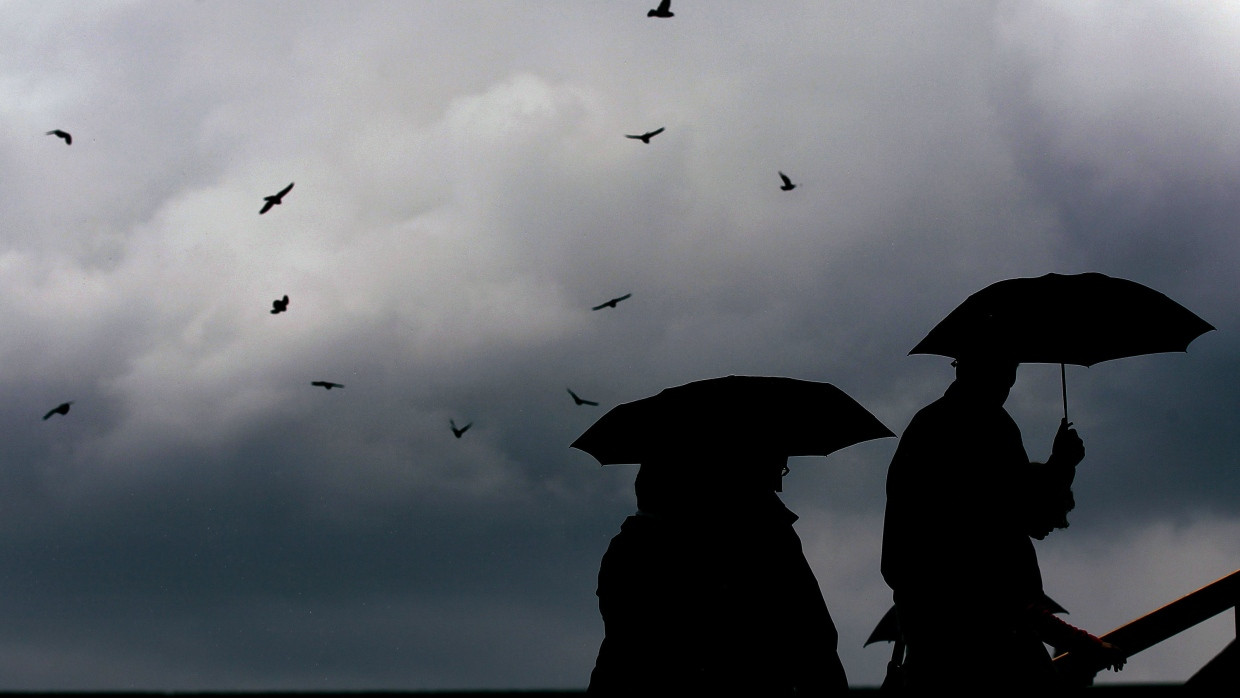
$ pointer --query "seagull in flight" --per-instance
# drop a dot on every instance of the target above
(663, 10)
(275, 199)
(458, 431)
(326, 384)
(645, 137)
(581, 400)
(611, 303)
(788, 185)
(62, 134)
(279, 305)
(62, 408)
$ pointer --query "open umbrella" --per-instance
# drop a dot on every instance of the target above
(1080, 319)
(772, 414)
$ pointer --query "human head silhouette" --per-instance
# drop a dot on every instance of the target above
(986, 369)
(708, 481)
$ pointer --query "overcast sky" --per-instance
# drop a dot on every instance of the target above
(205, 519)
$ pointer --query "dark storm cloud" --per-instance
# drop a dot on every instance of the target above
(204, 518)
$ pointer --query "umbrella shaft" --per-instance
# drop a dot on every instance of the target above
(1063, 384)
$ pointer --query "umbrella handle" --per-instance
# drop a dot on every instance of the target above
(1063, 384)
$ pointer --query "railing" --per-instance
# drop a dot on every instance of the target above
(1170, 620)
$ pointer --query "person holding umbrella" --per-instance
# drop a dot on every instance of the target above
(956, 537)
(963, 499)
(706, 590)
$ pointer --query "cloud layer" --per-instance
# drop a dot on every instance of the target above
(204, 519)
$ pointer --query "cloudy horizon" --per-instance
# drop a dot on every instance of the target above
(204, 519)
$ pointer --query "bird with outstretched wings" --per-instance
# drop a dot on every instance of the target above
(645, 137)
(275, 199)
(787, 185)
(611, 303)
(62, 408)
(664, 10)
(458, 431)
(580, 400)
(64, 135)
(327, 384)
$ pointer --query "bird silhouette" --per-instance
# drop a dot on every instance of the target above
(788, 185)
(326, 384)
(275, 199)
(457, 432)
(279, 305)
(62, 408)
(645, 137)
(62, 134)
(663, 10)
(611, 303)
(580, 400)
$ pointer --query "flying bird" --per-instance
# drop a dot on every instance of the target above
(279, 305)
(580, 400)
(326, 384)
(645, 137)
(62, 408)
(663, 10)
(788, 185)
(457, 432)
(62, 134)
(275, 199)
(611, 303)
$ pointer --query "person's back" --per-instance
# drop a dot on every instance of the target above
(707, 591)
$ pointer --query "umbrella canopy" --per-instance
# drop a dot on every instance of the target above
(1077, 319)
(764, 414)
(1066, 319)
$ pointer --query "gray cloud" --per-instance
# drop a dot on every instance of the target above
(204, 519)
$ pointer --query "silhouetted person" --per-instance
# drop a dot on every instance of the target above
(706, 590)
(580, 400)
(664, 10)
(64, 135)
(645, 137)
(956, 547)
(1046, 498)
(612, 303)
(787, 185)
(61, 409)
(275, 199)
(279, 305)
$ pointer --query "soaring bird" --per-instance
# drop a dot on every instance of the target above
(611, 303)
(62, 134)
(279, 305)
(663, 10)
(62, 408)
(326, 384)
(581, 401)
(457, 432)
(275, 199)
(645, 137)
(788, 185)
